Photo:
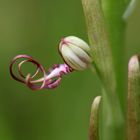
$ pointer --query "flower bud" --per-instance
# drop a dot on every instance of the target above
(75, 52)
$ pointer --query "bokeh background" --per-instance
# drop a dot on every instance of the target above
(35, 27)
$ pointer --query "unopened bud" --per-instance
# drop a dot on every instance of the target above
(75, 52)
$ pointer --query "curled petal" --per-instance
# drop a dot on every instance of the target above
(54, 83)
(33, 86)
(51, 79)
(28, 59)
(27, 79)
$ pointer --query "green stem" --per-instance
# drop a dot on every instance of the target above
(101, 45)
(113, 13)
(133, 110)
(99, 42)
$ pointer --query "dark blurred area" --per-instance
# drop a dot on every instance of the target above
(35, 27)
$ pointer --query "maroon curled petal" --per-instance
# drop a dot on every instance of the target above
(32, 86)
(19, 68)
(27, 79)
(17, 78)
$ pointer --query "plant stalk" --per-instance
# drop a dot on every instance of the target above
(99, 38)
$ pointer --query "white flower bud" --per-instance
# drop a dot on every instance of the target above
(75, 52)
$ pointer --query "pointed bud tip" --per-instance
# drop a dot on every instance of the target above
(134, 63)
(96, 101)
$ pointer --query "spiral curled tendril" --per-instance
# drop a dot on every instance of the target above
(50, 79)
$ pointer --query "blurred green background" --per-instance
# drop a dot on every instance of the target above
(35, 27)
